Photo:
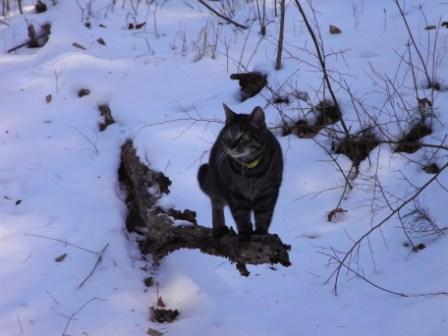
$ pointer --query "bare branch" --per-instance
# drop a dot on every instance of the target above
(214, 11)
(321, 59)
(411, 36)
(342, 262)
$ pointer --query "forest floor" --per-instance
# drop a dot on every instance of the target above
(383, 215)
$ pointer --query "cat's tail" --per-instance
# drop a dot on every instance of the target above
(202, 177)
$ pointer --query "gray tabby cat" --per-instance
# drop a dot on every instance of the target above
(244, 172)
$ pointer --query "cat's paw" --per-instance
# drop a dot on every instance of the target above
(220, 232)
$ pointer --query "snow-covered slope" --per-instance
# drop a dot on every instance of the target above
(165, 84)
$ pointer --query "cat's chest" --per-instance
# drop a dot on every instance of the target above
(247, 186)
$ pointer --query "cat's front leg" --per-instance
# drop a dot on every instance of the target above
(264, 209)
(240, 209)
(219, 225)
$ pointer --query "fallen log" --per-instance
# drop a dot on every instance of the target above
(160, 233)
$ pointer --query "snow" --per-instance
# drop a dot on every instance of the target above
(60, 193)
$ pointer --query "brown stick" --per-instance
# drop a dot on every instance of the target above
(278, 63)
(33, 41)
(24, 44)
(214, 11)
(162, 236)
(98, 261)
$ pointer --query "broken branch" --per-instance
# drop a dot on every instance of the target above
(161, 235)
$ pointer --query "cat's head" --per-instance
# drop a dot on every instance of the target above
(243, 135)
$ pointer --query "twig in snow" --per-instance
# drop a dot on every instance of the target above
(24, 44)
(34, 40)
(189, 118)
(52, 297)
(72, 316)
(61, 241)
(98, 254)
(85, 137)
(98, 261)
(370, 282)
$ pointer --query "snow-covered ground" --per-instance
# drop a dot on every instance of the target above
(165, 84)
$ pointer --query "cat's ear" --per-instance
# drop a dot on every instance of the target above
(230, 115)
(257, 117)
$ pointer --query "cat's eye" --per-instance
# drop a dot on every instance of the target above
(244, 139)
(241, 139)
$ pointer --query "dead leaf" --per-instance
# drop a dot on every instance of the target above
(335, 30)
(60, 258)
(77, 45)
(83, 92)
(333, 213)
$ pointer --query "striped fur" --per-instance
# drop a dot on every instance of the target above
(244, 142)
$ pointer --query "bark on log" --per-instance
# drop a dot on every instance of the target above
(161, 235)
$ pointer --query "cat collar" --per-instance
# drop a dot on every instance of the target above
(250, 165)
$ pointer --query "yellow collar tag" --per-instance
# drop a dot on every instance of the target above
(251, 165)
